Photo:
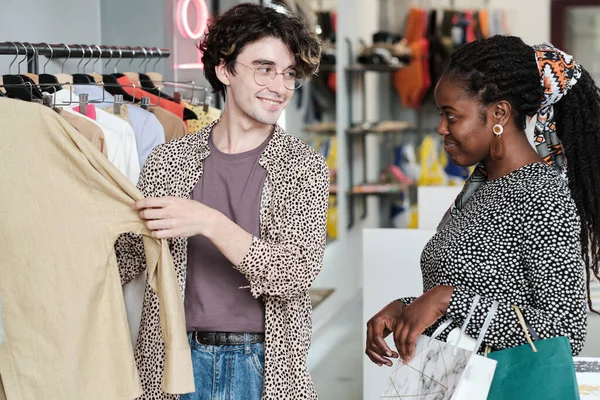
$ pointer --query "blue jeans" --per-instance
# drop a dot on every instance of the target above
(227, 372)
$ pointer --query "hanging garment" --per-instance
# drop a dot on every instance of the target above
(439, 57)
(87, 128)
(174, 127)
(156, 78)
(484, 23)
(119, 138)
(477, 25)
(205, 118)
(175, 108)
(126, 137)
(469, 27)
(63, 208)
(148, 131)
(413, 81)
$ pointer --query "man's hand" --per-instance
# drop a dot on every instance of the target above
(418, 316)
(171, 217)
(378, 328)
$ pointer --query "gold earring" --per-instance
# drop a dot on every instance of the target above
(497, 147)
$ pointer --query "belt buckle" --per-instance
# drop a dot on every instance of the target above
(198, 337)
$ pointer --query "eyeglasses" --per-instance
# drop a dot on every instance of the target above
(264, 75)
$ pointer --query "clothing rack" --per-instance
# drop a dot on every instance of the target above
(53, 51)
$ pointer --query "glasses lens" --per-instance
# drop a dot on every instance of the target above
(294, 84)
(264, 74)
(291, 79)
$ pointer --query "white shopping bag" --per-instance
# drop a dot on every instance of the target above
(444, 371)
(478, 375)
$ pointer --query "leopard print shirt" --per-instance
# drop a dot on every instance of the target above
(280, 266)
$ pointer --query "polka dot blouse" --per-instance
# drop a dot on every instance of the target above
(516, 241)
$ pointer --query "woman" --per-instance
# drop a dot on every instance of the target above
(518, 233)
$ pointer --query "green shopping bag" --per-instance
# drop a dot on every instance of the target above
(543, 370)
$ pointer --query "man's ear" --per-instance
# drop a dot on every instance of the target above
(222, 73)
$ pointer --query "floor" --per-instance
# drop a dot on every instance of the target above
(338, 373)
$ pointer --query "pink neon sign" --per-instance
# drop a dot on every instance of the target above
(182, 18)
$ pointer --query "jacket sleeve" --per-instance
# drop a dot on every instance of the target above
(129, 247)
(556, 285)
(288, 267)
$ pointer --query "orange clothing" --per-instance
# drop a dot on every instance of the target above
(413, 81)
(168, 105)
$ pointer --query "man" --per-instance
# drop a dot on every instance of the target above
(245, 207)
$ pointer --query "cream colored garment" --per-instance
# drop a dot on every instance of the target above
(63, 206)
(97, 77)
(2, 394)
(65, 78)
(33, 77)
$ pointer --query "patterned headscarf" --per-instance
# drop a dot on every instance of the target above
(558, 73)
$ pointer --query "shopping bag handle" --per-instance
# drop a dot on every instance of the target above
(465, 324)
(486, 324)
(444, 325)
(524, 326)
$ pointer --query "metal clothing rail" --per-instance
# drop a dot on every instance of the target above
(53, 51)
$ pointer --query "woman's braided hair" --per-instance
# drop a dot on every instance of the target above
(505, 68)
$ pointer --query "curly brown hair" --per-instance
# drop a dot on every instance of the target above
(246, 23)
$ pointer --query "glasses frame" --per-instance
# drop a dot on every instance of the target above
(273, 75)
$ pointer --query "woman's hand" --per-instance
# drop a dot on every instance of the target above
(418, 316)
(378, 328)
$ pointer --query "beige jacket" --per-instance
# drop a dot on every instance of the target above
(280, 266)
(62, 207)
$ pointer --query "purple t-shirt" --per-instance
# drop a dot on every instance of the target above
(217, 296)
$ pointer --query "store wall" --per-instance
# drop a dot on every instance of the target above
(51, 21)
(48, 21)
(136, 23)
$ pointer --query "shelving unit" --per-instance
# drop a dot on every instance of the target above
(357, 133)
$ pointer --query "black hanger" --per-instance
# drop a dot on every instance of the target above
(149, 87)
(15, 84)
(16, 87)
(112, 86)
(48, 82)
(83, 78)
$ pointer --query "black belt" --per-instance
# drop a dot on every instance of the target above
(226, 338)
